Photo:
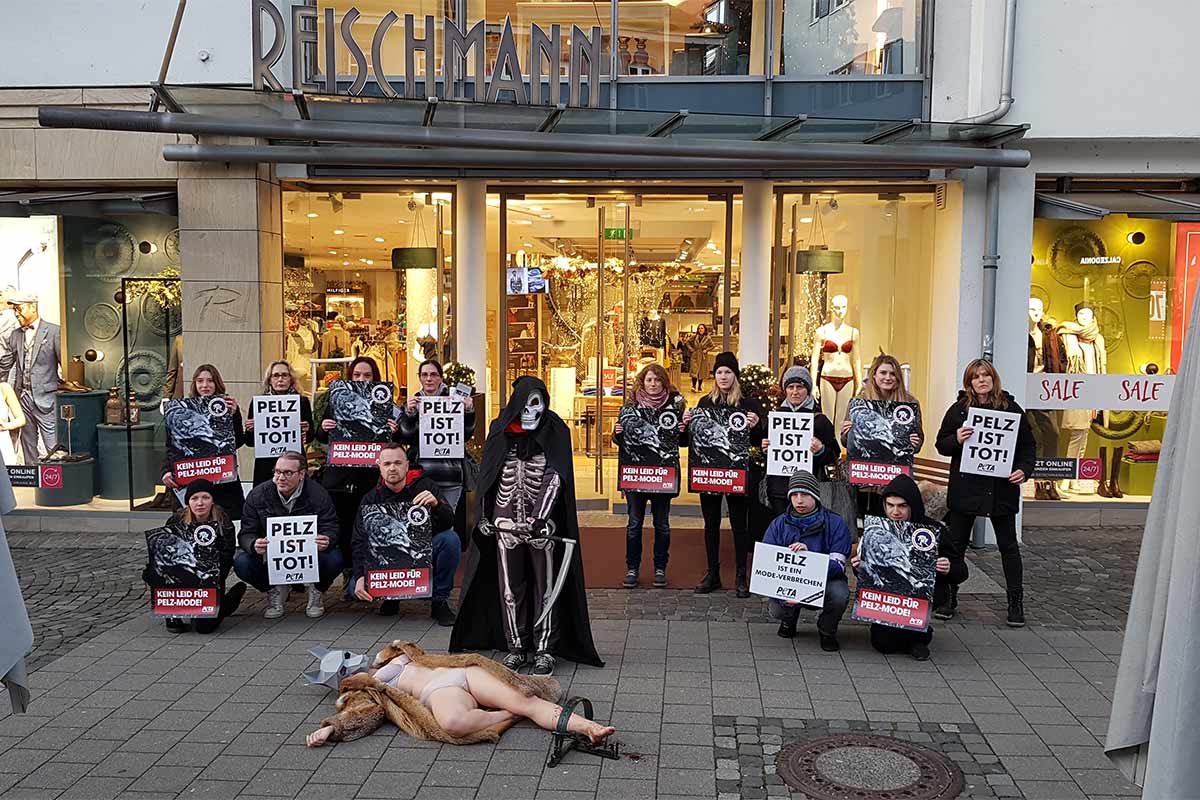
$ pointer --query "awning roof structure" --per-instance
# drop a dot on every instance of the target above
(434, 134)
(1180, 206)
(54, 202)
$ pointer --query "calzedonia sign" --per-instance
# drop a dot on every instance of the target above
(322, 32)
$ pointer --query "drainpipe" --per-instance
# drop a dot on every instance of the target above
(1006, 72)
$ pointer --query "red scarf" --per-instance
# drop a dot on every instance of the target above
(655, 401)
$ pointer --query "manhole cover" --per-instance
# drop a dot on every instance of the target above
(867, 767)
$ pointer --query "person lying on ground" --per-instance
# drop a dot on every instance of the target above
(460, 699)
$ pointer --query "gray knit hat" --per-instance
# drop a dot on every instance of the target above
(796, 374)
(804, 481)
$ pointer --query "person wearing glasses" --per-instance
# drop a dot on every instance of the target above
(280, 379)
(288, 493)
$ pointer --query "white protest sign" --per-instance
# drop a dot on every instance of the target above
(789, 436)
(292, 550)
(440, 434)
(797, 577)
(462, 390)
(1102, 392)
(993, 444)
(276, 424)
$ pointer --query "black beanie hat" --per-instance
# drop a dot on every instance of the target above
(199, 485)
(726, 359)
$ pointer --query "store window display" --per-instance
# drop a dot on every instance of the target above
(1045, 355)
(1083, 345)
(839, 361)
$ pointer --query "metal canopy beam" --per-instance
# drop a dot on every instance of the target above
(164, 97)
(783, 128)
(551, 120)
(894, 132)
(430, 110)
(301, 104)
(677, 119)
(930, 156)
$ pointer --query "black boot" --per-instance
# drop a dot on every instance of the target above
(1114, 480)
(947, 609)
(1102, 486)
(710, 582)
(1052, 490)
(743, 582)
(1016, 608)
(787, 626)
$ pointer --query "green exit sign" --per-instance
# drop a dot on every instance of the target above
(618, 234)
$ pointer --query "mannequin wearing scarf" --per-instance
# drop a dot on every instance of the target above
(1083, 346)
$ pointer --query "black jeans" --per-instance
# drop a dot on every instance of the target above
(660, 508)
(346, 504)
(710, 506)
(253, 569)
(960, 524)
(837, 597)
(887, 639)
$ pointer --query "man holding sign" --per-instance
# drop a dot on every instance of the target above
(991, 448)
(286, 525)
(808, 528)
(799, 437)
(439, 422)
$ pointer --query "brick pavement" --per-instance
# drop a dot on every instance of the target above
(132, 711)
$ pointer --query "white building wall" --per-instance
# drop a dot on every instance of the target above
(121, 42)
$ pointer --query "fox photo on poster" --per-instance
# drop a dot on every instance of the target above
(878, 446)
(361, 410)
(897, 574)
(648, 455)
(183, 569)
(201, 442)
(718, 450)
(399, 558)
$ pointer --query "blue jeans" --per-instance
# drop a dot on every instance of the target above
(660, 508)
(253, 569)
(447, 551)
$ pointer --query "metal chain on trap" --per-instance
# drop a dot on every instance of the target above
(563, 741)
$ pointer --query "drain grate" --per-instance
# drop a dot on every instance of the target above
(867, 767)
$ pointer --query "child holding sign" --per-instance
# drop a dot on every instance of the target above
(998, 496)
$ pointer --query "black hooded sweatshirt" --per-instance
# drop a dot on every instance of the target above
(478, 626)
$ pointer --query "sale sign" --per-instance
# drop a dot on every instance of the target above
(292, 550)
(1106, 392)
(789, 436)
(441, 430)
(276, 424)
(780, 574)
(399, 549)
(992, 446)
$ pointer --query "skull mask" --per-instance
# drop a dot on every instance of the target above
(535, 409)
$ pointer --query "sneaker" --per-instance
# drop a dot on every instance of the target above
(389, 608)
(660, 579)
(1016, 609)
(829, 643)
(709, 583)
(442, 613)
(920, 652)
(543, 664)
(177, 624)
(631, 579)
(274, 603)
(944, 611)
(513, 661)
(315, 608)
(787, 629)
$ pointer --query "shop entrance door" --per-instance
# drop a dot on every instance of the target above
(596, 285)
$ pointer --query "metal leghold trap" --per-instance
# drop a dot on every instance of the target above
(563, 741)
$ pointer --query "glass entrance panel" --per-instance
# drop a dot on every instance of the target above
(598, 286)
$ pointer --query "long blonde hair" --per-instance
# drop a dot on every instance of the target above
(217, 514)
(733, 398)
(996, 398)
(871, 392)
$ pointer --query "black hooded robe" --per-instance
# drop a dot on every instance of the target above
(478, 626)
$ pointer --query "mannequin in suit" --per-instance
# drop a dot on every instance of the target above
(33, 355)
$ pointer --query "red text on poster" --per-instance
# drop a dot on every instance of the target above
(635, 478)
(398, 584)
(186, 602)
(354, 454)
(218, 469)
(875, 473)
(887, 608)
(717, 479)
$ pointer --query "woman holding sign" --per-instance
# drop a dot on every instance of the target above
(195, 431)
(992, 451)
(726, 396)
(653, 394)
(279, 380)
(798, 399)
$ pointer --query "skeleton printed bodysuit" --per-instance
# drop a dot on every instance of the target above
(525, 498)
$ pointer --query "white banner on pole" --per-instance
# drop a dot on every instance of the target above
(440, 434)
(292, 550)
(993, 443)
(276, 424)
(1044, 390)
(789, 436)
(797, 577)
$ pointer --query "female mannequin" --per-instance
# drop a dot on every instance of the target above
(1083, 346)
(835, 357)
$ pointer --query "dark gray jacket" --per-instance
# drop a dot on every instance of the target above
(444, 471)
(263, 502)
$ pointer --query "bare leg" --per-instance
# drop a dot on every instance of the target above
(495, 693)
(459, 715)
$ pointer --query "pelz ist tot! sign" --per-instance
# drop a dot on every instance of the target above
(992, 444)
(789, 436)
(292, 549)
(276, 424)
(441, 427)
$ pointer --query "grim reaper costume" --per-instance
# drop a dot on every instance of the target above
(526, 544)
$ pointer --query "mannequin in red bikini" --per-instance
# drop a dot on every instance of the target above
(836, 358)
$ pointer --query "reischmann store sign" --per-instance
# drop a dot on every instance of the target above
(316, 32)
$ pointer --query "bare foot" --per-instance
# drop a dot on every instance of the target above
(319, 736)
(597, 732)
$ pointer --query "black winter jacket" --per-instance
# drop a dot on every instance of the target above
(344, 479)
(441, 516)
(823, 432)
(757, 433)
(440, 470)
(263, 502)
(229, 496)
(982, 495)
(265, 467)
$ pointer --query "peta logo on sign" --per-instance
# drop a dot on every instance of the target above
(738, 422)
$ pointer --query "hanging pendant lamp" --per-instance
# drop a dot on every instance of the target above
(818, 259)
(416, 255)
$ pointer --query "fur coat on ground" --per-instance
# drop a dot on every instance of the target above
(365, 703)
